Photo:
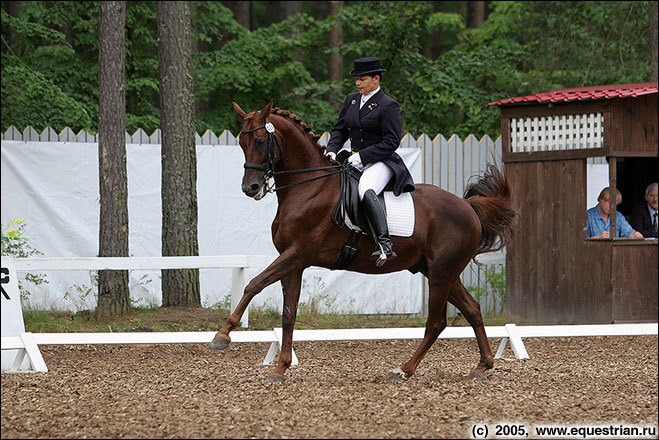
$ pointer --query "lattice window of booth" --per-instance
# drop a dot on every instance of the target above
(556, 133)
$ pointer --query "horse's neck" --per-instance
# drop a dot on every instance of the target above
(300, 153)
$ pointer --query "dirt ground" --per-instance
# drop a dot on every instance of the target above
(339, 390)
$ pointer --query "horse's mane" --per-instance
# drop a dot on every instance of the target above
(305, 128)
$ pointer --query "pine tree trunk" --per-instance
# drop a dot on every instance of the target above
(12, 8)
(335, 63)
(435, 47)
(113, 292)
(242, 13)
(477, 14)
(289, 8)
(180, 287)
(652, 7)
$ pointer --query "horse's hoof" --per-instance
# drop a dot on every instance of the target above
(396, 375)
(275, 378)
(476, 375)
(220, 342)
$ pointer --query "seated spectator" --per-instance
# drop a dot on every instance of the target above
(599, 221)
(644, 216)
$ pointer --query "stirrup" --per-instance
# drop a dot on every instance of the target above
(381, 260)
(382, 257)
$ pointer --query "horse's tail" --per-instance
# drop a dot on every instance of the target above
(491, 198)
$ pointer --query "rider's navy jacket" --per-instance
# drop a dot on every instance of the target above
(374, 132)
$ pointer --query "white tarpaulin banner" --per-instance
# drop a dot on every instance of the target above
(54, 187)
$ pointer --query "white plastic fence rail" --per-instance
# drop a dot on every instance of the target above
(28, 343)
(236, 262)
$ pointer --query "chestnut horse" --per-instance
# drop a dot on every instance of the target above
(449, 231)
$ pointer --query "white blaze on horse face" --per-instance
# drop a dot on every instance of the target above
(259, 195)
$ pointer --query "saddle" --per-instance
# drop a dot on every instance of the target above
(349, 206)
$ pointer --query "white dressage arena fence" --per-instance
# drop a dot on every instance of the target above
(27, 344)
(238, 264)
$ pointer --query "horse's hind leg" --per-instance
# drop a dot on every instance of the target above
(435, 324)
(291, 285)
(471, 310)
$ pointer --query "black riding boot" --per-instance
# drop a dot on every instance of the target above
(378, 222)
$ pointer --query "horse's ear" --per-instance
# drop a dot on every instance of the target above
(241, 114)
(267, 109)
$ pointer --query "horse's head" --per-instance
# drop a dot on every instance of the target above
(258, 140)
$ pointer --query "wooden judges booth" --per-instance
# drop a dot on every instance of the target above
(554, 274)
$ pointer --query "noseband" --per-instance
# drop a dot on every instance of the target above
(269, 167)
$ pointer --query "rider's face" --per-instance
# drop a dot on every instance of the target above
(366, 83)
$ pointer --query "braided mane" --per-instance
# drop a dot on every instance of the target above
(306, 128)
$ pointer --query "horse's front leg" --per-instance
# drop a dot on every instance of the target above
(291, 285)
(287, 262)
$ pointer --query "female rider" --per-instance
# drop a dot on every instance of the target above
(371, 120)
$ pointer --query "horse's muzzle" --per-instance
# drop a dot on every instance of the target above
(254, 190)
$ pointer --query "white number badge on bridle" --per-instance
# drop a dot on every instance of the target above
(269, 127)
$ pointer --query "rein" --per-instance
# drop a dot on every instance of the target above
(269, 167)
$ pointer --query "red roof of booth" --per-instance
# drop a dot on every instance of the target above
(584, 93)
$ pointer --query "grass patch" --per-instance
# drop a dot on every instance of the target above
(173, 319)
(41, 321)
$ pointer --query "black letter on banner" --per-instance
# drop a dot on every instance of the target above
(4, 280)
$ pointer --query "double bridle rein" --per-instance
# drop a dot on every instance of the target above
(269, 167)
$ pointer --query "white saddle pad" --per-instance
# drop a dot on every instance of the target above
(400, 214)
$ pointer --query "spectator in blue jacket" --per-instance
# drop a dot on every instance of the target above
(599, 221)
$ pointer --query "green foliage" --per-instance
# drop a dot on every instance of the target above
(80, 293)
(495, 285)
(13, 237)
(446, 21)
(32, 30)
(142, 84)
(50, 61)
(496, 279)
(566, 44)
(29, 98)
(257, 66)
(16, 243)
(316, 301)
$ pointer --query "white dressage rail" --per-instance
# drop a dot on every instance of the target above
(27, 343)
(238, 264)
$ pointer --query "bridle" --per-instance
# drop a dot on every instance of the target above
(269, 167)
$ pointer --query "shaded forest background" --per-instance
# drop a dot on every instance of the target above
(445, 60)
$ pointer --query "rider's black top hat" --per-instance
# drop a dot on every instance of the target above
(366, 66)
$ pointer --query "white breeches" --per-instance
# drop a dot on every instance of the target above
(375, 176)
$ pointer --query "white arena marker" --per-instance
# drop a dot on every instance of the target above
(15, 342)
(515, 343)
(276, 346)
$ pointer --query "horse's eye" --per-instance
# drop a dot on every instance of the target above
(260, 145)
